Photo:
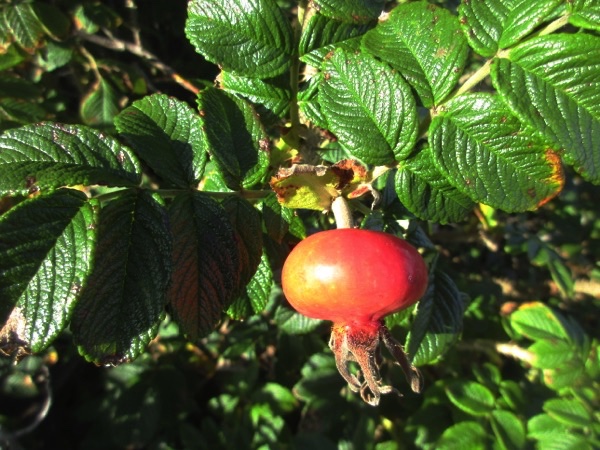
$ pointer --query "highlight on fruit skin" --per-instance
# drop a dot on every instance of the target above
(355, 278)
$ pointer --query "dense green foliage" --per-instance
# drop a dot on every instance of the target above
(158, 163)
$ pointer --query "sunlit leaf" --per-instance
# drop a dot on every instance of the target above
(248, 38)
(46, 246)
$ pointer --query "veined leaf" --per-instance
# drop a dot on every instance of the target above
(206, 260)
(359, 11)
(123, 302)
(525, 16)
(51, 18)
(438, 321)
(100, 105)
(258, 289)
(237, 141)
(465, 434)
(20, 111)
(473, 398)
(425, 44)
(308, 103)
(45, 258)
(544, 426)
(22, 23)
(247, 226)
(570, 412)
(320, 34)
(508, 429)
(369, 107)
(426, 193)
(50, 155)
(552, 353)
(276, 217)
(550, 82)
(537, 321)
(585, 14)
(255, 296)
(167, 134)
(492, 25)
(250, 38)
(486, 153)
(271, 97)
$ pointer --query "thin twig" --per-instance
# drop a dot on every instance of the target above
(138, 50)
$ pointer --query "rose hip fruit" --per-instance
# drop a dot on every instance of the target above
(355, 278)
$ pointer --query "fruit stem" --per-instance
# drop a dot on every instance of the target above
(341, 213)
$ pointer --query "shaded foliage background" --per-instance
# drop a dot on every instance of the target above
(524, 373)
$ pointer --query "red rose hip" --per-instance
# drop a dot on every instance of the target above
(355, 278)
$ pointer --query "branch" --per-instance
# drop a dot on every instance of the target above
(136, 49)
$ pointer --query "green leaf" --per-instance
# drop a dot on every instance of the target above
(360, 11)
(55, 55)
(508, 429)
(544, 426)
(565, 441)
(270, 97)
(473, 398)
(50, 155)
(308, 101)
(492, 25)
(237, 142)
(585, 14)
(483, 23)
(369, 107)
(320, 34)
(525, 17)
(551, 354)
(537, 321)
(123, 302)
(513, 394)
(291, 322)
(249, 38)
(570, 374)
(425, 44)
(12, 86)
(276, 217)
(93, 16)
(100, 105)
(20, 111)
(320, 378)
(22, 23)
(206, 261)
(570, 412)
(279, 397)
(167, 134)
(45, 256)
(486, 153)
(53, 21)
(549, 83)
(258, 290)
(438, 321)
(426, 193)
(463, 435)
